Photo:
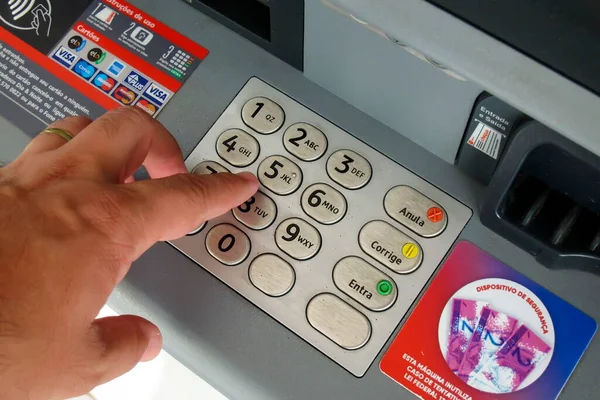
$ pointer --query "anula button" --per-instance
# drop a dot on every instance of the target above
(415, 211)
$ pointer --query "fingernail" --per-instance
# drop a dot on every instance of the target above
(154, 347)
(247, 176)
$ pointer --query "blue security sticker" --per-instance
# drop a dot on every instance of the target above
(137, 81)
(84, 69)
(157, 94)
(65, 57)
(116, 68)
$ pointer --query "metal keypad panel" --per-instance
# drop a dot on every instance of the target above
(338, 242)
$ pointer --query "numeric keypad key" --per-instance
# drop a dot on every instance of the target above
(208, 168)
(324, 204)
(263, 115)
(349, 169)
(280, 175)
(298, 239)
(228, 244)
(259, 212)
(237, 147)
(305, 141)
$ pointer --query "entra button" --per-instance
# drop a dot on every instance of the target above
(360, 280)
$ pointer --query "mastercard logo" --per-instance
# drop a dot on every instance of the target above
(104, 82)
(124, 95)
(147, 106)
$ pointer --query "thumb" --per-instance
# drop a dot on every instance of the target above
(125, 340)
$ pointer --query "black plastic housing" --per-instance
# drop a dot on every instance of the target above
(545, 198)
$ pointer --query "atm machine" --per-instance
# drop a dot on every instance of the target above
(385, 135)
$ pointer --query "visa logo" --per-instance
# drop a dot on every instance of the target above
(65, 57)
(157, 93)
(136, 81)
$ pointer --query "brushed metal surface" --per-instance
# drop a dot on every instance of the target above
(349, 169)
(237, 147)
(258, 213)
(339, 240)
(384, 243)
(338, 321)
(280, 175)
(265, 119)
(324, 204)
(228, 244)
(197, 230)
(359, 279)
(409, 207)
(209, 167)
(305, 141)
(272, 275)
(298, 239)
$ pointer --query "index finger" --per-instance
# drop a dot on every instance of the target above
(123, 139)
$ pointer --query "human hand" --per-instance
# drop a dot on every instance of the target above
(70, 227)
(42, 21)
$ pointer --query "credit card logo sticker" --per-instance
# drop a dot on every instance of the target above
(158, 94)
(124, 95)
(116, 68)
(96, 55)
(147, 106)
(104, 82)
(84, 69)
(136, 81)
(76, 43)
(65, 57)
(142, 36)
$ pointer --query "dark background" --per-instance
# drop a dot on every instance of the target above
(64, 15)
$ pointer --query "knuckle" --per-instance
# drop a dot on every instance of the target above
(197, 189)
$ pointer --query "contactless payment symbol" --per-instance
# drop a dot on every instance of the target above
(136, 81)
(104, 82)
(84, 69)
(115, 68)
(96, 55)
(124, 95)
(65, 57)
(147, 106)
(157, 93)
(76, 43)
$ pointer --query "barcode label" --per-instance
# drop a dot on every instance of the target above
(486, 140)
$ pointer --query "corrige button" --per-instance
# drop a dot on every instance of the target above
(390, 247)
(228, 244)
(415, 211)
(263, 115)
(272, 275)
(364, 283)
(338, 321)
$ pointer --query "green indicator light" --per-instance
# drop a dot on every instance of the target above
(385, 287)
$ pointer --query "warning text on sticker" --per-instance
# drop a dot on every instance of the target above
(431, 383)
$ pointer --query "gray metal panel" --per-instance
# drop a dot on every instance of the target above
(229, 342)
(385, 81)
(520, 81)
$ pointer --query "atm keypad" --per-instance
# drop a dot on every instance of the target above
(338, 242)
